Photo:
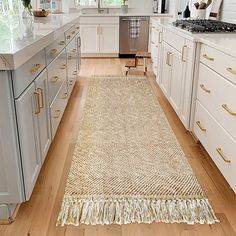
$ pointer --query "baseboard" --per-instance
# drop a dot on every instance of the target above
(101, 55)
(8, 213)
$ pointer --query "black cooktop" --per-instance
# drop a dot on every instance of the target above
(205, 26)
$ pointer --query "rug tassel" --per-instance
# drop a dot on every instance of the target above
(124, 211)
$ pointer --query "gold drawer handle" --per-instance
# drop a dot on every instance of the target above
(35, 68)
(77, 27)
(208, 58)
(73, 32)
(74, 50)
(220, 152)
(42, 98)
(70, 57)
(53, 51)
(62, 43)
(71, 82)
(57, 114)
(152, 42)
(38, 102)
(231, 70)
(65, 96)
(75, 72)
(202, 86)
(200, 126)
(63, 66)
(225, 106)
(68, 36)
(54, 79)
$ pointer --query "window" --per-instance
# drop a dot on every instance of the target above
(10, 7)
(104, 3)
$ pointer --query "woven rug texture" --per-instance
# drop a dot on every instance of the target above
(127, 164)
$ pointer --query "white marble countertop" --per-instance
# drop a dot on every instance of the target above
(121, 14)
(225, 42)
(16, 49)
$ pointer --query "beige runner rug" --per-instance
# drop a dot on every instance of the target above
(127, 164)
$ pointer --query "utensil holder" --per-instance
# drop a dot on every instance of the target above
(201, 14)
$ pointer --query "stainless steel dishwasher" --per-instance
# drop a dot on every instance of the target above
(129, 45)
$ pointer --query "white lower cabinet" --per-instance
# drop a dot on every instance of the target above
(109, 38)
(90, 38)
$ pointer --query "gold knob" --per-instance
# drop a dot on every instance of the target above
(35, 68)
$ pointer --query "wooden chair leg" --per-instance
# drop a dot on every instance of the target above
(126, 73)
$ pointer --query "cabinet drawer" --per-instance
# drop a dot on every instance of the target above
(54, 49)
(58, 107)
(219, 62)
(212, 90)
(156, 26)
(77, 28)
(173, 40)
(218, 143)
(69, 34)
(24, 75)
(56, 75)
(99, 20)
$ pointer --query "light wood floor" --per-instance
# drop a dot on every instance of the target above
(38, 216)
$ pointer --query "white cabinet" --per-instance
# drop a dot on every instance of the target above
(176, 80)
(28, 108)
(109, 38)
(43, 116)
(100, 35)
(90, 38)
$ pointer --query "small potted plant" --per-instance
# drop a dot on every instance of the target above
(28, 19)
(27, 7)
(124, 6)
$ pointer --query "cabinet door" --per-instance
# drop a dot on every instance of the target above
(72, 64)
(43, 116)
(109, 38)
(90, 38)
(27, 107)
(176, 80)
(166, 69)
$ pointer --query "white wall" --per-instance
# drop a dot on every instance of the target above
(229, 11)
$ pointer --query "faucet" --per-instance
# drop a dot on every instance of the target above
(100, 10)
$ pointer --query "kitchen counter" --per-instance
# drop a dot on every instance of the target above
(121, 14)
(15, 49)
(225, 42)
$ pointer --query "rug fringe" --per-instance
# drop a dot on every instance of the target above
(93, 211)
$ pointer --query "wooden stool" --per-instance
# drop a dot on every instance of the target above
(144, 56)
(130, 64)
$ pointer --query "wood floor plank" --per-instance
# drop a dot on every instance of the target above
(38, 216)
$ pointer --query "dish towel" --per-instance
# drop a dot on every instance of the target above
(134, 28)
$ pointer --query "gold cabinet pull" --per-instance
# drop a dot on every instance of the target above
(202, 86)
(63, 66)
(208, 58)
(74, 50)
(62, 43)
(54, 79)
(200, 126)
(35, 68)
(73, 32)
(42, 98)
(231, 70)
(75, 72)
(68, 36)
(160, 37)
(221, 153)
(152, 42)
(71, 82)
(53, 51)
(225, 106)
(38, 102)
(183, 53)
(57, 114)
(65, 96)
(167, 58)
(70, 57)
(77, 27)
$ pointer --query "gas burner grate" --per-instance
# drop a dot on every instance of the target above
(205, 26)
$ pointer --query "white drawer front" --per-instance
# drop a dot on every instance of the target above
(173, 40)
(69, 34)
(220, 62)
(99, 20)
(56, 75)
(218, 143)
(25, 74)
(54, 49)
(219, 97)
(58, 107)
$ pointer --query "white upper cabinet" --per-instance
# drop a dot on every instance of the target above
(90, 38)
(109, 38)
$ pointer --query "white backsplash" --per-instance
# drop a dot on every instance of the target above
(228, 12)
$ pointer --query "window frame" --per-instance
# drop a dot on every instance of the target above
(96, 6)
